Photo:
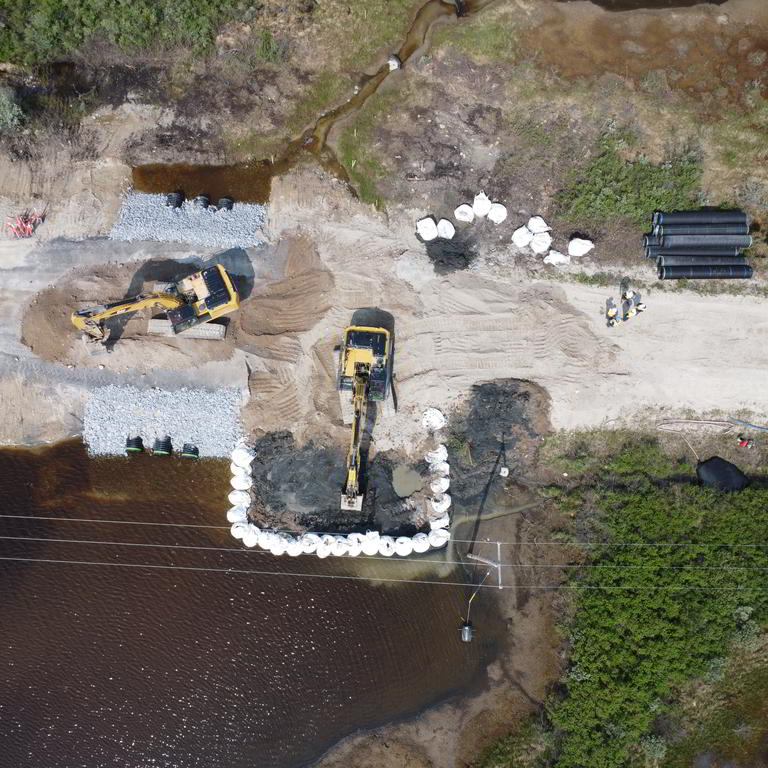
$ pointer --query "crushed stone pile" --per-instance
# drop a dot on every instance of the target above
(147, 217)
(209, 420)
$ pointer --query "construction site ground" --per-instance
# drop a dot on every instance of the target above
(331, 255)
(511, 113)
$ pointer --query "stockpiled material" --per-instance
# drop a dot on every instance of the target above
(706, 261)
(699, 245)
(209, 420)
(699, 272)
(700, 217)
(147, 217)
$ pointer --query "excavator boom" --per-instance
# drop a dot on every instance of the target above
(352, 499)
(90, 320)
(364, 368)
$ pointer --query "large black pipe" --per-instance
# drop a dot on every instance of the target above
(654, 251)
(706, 261)
(680, 241)
(649, 240)
(700, 229)
(700, 217)
(698, 272)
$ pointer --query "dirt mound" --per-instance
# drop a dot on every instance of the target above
(295, 303)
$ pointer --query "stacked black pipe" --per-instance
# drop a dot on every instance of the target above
(701, 245)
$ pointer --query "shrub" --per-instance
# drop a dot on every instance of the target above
(608, 187)
(10, 113)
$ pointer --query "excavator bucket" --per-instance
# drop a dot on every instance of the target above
(95, 347)
(351, 503)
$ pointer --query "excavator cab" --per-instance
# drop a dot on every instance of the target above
(365, 369)
(192, 301)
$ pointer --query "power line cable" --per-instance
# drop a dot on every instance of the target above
(527, 542)
(238, 550)
(241, 571)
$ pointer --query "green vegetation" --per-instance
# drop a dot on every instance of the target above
(646, 619)
(326, 89)
(11, 115)
(743, 137)
(268, 48)
(610, 187)
(365, 28)
(40, 31)
(530, 747)
(356, 146)
(729, 716)
(486, 37)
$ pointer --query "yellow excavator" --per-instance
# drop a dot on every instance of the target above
(199, 298)
(365, 368)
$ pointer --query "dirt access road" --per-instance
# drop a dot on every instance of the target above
(332, 255)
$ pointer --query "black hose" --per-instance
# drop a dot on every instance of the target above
(705, 273)
(700, 229)
(700, 217)
(679, 241)
(650, 240)
(705, 261)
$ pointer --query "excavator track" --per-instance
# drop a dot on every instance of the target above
(160, 326)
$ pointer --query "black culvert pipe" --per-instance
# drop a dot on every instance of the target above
(706, 261)
(700, 229)
(680, 241)
(700, 217)
(650, 240)
(654, 251)
(705, 273)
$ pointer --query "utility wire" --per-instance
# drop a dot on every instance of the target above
(237, 550)
(520, 542)
(241, 571)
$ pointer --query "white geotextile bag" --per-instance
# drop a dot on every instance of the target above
(426, 229)
(481, 205)
(556, 258)
(522, 237)
(497, 213)
(464, 213)
(540, 242)
(432, 419)
(445, 229)
(579, 247)
(536, 224)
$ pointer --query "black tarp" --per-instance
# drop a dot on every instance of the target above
(721, 474)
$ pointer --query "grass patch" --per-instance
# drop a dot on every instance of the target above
(609, 187)
(356, 151)
(40, 31)
(730, 716)
(485, 37)
(530, 747)
(326, 89)
(743, 137)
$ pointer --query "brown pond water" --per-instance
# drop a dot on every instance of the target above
(121, 666)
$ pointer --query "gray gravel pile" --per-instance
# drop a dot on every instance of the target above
(147, 217)
(208, 419)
